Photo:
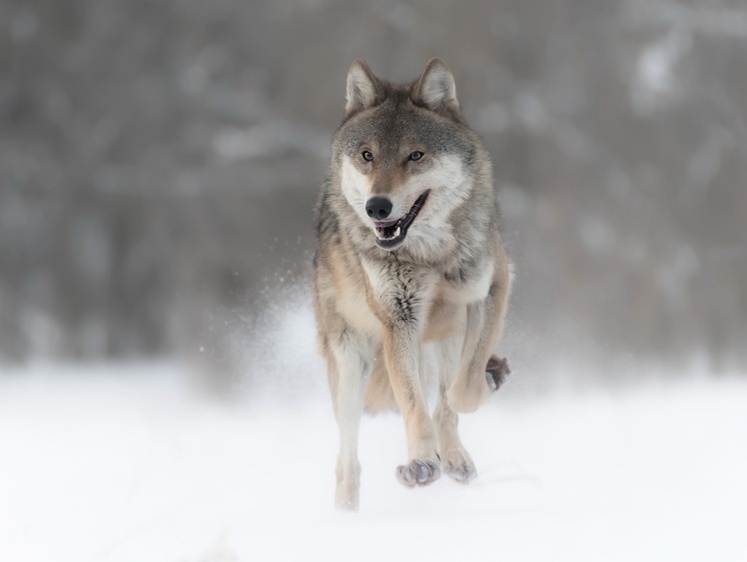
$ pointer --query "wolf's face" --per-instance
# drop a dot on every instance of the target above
(403, 153)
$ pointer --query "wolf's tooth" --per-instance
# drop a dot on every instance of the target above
(396, 233)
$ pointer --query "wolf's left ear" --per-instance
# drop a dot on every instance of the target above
(435, 89)
(363, 88)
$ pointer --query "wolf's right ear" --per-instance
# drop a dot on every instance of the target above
(363, 88)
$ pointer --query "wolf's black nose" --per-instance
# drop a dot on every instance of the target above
(378, 208)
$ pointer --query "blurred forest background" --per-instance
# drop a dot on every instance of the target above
(159, 163)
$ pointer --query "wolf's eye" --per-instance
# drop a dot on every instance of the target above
(415, 156)
(367, 156)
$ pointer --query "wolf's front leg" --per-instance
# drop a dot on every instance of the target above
(401, 352)
(484, 327)
(350, 369)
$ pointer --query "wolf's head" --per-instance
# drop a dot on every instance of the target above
(405, 157)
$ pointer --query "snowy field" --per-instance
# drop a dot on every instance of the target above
(125, 463)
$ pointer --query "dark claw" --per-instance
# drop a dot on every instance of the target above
(418, 473)
(422, 472)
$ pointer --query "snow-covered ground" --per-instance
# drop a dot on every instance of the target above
(124, 463)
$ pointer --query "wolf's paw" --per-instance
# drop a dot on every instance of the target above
(496, 372)
(418, 473)
(346, 500)
(459, 466)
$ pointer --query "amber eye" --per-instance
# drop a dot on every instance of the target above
(415, 156)
(367, 156)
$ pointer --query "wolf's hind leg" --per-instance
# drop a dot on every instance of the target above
(352, 357)
(496, 372)
(455, 460)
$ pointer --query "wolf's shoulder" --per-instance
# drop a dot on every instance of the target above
(326, 221)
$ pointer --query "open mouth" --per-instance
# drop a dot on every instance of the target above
(391, 234)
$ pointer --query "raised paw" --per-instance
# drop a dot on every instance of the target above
(418, 473)
(459, 466)
(496, 372)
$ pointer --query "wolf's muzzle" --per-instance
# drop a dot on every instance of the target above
(391, 234)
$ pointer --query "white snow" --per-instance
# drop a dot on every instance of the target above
(124, 463)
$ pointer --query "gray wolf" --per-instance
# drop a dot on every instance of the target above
(410, 264)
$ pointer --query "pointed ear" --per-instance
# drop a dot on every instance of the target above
(363, 88)
(435, 88)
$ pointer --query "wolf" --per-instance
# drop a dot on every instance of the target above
(409, 264)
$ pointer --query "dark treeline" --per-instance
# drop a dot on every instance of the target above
(159, 162)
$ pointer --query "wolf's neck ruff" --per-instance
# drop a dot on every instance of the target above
(391, 235)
